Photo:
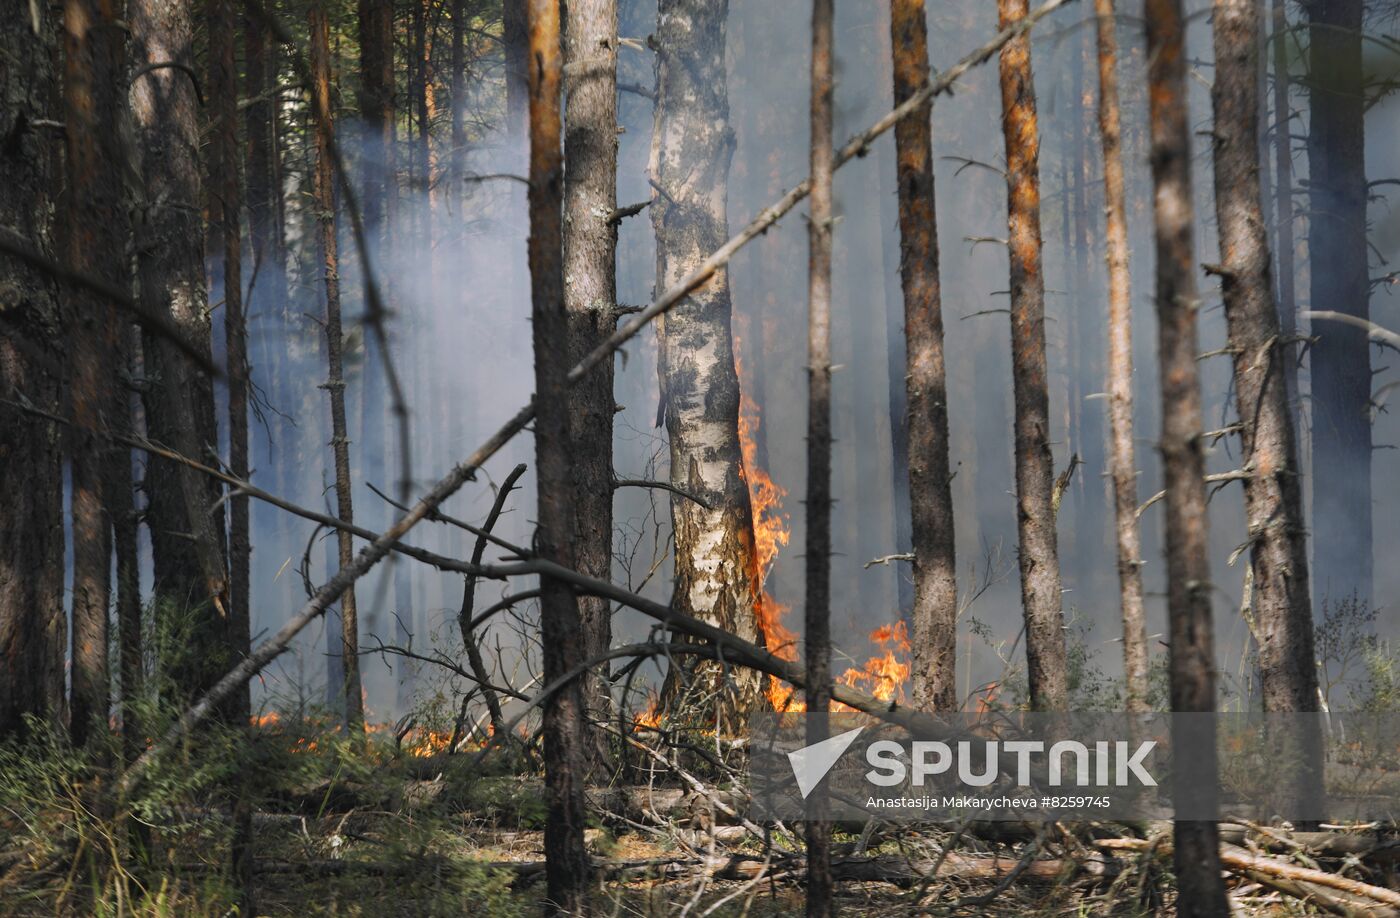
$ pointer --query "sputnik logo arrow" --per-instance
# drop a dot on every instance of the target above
(811, 763)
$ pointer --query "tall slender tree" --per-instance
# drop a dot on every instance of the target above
(590, 300)
(33, 627)
(1046, 656)
(564, 722)
(187, 538)
(1337, 248)
(817, 555)
(1283, 201)
(935, 614)
(1192, 663)
(1122, 459)
(692, 145)
(96, 230)
(225, 209)
(335, 379)
(1273, 497)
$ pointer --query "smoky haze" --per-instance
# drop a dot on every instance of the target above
(459, 336)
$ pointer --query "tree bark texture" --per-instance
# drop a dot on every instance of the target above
(564, 721)
(1192, 662)
(590, 301)
(335, 378)
(33, 622)
(1283, 202)
(1046, 657)
(96, 231)
(1122, 452)
(1341, 357)
(716, 577)
(817, 551)
(935, 614)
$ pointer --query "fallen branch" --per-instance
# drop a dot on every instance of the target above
(1373, 331)
(1238, 860)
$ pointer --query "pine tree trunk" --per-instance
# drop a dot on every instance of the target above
(187, 539)
(925, 382)
(225, 206)
(335, 379)
(33, 622)
(590, 299)
(1341, 358)
(564, 721)
(1192, 663)
(1122, 451)
(716, 573)
(1273, 491)
(516, 42)
(817, 551)
(121, 494)
(96, 232)
(1283, 204)
(1035, 473)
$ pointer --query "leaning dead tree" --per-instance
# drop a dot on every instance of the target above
(335, 378)
(1122, 451)
(1192, 662)
(564, 722)
(692, 145)
(590, 299)
(1046, 658)
(817, 555)
(925, 380)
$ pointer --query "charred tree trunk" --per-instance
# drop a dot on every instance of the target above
(1273, 496)
(121, 492)
(564, 721)
(1122, 452)
(458, 170)
(376, 25)
(930, 492)
(692, 145)
(1192, 658)
(1283, 206)
(1341, 358)
(187, 539)
(515, 39)
(93, 87)
(335, 378)
(817, 553)
(590, 301)
(33, 623)
(1035, 473)
(225, 207)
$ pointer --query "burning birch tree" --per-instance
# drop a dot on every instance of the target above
(590, 300)
(1192, 658)
(935, 616)
(1122, 459)
(1046, 658)
(716, 576)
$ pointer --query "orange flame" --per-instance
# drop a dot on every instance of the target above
(884, 676)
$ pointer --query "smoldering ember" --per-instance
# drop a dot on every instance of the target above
(432, 430)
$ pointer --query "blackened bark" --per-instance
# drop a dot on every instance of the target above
(925, 382)
(1192, 663)
(590, 300)
(516, 41)
(225, 206)
(187, 538)
(121, 493)
(376, 25)
(817, 551)
(335, 377)
(1035, 473)
(564, 721)
(458, 170)
(33, 626)
(93, 87)
(1122, 461)
(1341, 358)
(716, 577)
(1273, 497)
